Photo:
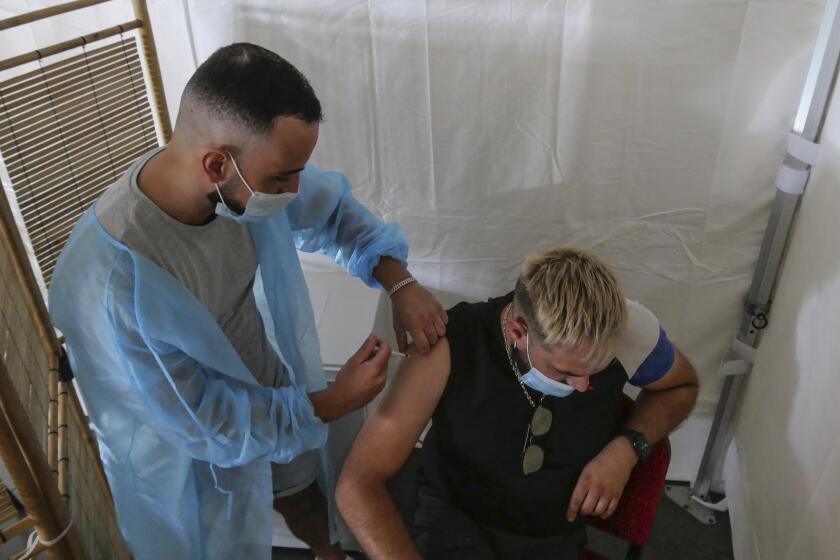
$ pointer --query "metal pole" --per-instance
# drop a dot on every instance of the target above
(790, 184)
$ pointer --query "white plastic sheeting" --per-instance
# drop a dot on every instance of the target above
(647, 130)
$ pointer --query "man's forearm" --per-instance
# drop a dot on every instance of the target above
(390, 271)
(657, 413)
(372, 516)
(328, 407)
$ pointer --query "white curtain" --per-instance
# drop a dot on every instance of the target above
(648, 130)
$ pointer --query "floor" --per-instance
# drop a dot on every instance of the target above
(676, 535)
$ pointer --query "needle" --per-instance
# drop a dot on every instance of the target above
(393, 353)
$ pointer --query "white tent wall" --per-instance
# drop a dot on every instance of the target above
(649, 131)
(782, 479)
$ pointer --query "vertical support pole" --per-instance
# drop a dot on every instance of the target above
(147, 43)
(63, 454)
(758, 304)
(52, 420)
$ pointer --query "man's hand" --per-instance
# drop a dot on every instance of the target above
(357, 383)
(418, 312)
(602, 481)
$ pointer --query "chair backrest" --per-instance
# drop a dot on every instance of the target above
(633, 518)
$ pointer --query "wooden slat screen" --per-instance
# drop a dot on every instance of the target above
(67, 131)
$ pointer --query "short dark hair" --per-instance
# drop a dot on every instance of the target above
(252, 85)
(525, 306)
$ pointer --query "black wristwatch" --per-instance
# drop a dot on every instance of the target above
(639, 442)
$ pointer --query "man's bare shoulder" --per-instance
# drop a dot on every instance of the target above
(389, 434)
(418, 382)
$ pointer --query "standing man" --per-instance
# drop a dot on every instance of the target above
(189, 326)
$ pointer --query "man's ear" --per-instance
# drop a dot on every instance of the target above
(214, 164)
(518, 330)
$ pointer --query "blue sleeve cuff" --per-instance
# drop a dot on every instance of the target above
(299, 429)
(657, 364)
(326, 218)
(390, 242)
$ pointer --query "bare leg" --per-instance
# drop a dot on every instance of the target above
(306, 515)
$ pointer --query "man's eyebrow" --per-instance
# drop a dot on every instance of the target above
(292, 172)
(568, 373)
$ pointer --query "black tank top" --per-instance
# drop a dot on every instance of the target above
(472, 456)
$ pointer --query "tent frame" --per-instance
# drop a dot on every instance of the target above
(790, 186)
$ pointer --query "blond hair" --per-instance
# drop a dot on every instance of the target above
(573, 300)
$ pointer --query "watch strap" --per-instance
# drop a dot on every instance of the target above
(639, 442)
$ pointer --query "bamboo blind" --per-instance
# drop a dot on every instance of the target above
(69, 130)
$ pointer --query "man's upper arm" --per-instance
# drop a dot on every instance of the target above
(681, 374)
(652, 362)
(645, 351)
(389, 435)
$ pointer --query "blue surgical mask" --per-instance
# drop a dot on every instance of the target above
(260, 206)
(538, 381)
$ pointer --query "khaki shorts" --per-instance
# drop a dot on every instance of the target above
(287, 479)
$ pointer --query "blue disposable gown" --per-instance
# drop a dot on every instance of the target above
(185, 432)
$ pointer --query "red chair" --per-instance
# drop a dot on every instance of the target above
(632, 520)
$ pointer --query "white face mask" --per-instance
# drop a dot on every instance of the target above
(538, 381)
(260, 206)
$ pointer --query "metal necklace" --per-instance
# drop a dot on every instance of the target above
(532, 455)
(538, 412)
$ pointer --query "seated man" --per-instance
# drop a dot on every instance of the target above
(524, 396)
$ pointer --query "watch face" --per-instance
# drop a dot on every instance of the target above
(643, 447)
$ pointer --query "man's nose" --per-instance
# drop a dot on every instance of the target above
(579, 383)
(294, 183)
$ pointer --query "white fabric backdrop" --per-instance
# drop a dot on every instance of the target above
(647, 130)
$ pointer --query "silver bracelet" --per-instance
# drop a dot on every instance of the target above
(401, 284)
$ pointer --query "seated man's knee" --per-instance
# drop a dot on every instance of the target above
(305, 503)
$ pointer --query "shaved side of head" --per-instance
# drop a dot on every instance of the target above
(236, 94)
